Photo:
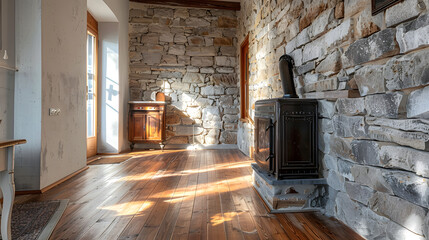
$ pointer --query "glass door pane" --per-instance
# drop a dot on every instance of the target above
(90, 99)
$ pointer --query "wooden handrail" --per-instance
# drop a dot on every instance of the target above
(11, 143)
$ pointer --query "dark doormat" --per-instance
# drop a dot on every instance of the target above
(36, 220)
(110, 160)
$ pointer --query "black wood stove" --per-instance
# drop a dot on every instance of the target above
(286, 131)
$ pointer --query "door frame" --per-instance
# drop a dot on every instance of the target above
(91, 142)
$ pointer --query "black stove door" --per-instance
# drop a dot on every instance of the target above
(264, 143)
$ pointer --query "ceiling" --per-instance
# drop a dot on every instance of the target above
(100, 11)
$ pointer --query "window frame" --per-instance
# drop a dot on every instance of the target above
(382, 5)
(244, 80)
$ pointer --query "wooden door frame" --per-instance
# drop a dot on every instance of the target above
(92, 29)
(244, 81)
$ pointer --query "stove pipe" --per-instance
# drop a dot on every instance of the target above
(286, 74)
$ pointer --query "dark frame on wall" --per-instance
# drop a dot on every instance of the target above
(381, 5)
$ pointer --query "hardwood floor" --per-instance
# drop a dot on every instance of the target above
(180, 194)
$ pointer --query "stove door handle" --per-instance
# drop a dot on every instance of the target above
(269, 157)
(270, 126)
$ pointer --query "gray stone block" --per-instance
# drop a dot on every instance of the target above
(344, 169)
(289, 195)
(414, 34)
(389, 105)
(379, 45)
(418, 104)
(320, 24)
(371, 177)
(326, 108)
(322, 85)
(156, 28)
(335, 181)
(152, 58)
(202, 61)
(407, 71)
(225, 61)
(325, 125)
(212, 90)
(399, 211)
(367, 152)
(324, 142)
(412, 139)
(163, 12)
(330, 207)
(188, 130)
(426, 230)
(360, 218)
(306, 68)
(200, 51)
(196, 22)
(302, 38)
(329, 163)
(359, 192)
(350, 106)
(193, 78)
(349, 126)
(415, 125)
(341, 147)
(331, 64)
(398, 232)
(402, 12)
(180, 86)
(408, 186)
(227, 137)
(313, 50)
(212, 137)
(405, 158)
(370, 80)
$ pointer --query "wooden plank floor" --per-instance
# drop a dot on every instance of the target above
(181, 194)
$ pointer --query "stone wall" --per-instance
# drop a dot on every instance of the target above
(371, 75)
(190, 55)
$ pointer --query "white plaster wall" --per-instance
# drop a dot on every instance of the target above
(120, 9)
(28, 94)
(7, 76)
(63, 86)
(50, 54)
(108, 85)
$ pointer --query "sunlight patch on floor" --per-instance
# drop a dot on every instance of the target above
(129, 208)
(221, 218)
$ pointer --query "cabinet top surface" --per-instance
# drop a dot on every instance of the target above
(147, 102)
(10, 143)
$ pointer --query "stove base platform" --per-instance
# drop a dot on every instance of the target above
(290, 195)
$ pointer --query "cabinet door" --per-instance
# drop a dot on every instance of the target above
(153, 126)
(138, 125)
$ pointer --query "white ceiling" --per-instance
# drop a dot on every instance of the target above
(100, 11)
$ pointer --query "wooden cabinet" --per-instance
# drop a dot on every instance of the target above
(146, 123)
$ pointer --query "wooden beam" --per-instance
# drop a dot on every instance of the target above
(195, 3)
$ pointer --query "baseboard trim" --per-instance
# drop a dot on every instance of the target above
(47, 188)
(63, 179)
(145, 146)
(28, 192)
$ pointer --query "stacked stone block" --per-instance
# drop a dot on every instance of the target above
(371, 75)
(190, 55)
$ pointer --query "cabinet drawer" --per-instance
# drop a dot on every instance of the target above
(146, 108)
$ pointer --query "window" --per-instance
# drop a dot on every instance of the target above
(244, 79)
(380, 5)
